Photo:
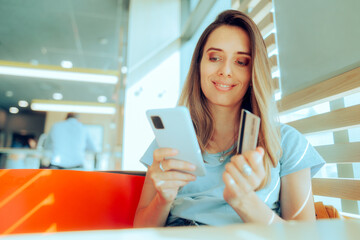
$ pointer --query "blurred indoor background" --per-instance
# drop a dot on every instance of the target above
(111, 60)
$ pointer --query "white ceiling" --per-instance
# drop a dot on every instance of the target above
(85, 32)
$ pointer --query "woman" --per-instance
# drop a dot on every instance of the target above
(230, 71)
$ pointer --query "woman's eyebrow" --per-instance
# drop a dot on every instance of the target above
(220, 50)
(215, 49)
(245, 53)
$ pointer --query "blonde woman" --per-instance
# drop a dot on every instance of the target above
(230, 71)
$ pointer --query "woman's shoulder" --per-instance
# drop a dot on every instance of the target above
(288, 131)
(297, 152)
(290, 136)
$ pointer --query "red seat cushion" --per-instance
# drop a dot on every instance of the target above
(40, 200)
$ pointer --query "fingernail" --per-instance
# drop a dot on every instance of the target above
(260, 150)
(159, 183)
(175, 151)
(229, 177)
(192, 167)
(231, 180)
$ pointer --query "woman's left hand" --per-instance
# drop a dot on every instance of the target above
(242, 175)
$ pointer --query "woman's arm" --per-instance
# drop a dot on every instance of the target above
(152, 211)
(160, 188)
(295, 198)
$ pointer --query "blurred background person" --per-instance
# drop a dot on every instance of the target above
(22, 159)
(68, 141)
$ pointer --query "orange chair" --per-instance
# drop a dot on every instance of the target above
(42, 200)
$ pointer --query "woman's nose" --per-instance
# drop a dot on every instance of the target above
(225, 70)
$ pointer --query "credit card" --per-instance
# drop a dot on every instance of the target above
(248, 131)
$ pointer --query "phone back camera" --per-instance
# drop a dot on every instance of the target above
(157, 122)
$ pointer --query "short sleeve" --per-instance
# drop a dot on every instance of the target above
(298, 153)
(147, 158)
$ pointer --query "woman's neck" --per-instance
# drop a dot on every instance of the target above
(226, 124)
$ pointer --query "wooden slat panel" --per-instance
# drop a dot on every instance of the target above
(235, 4)
(350, 216)
(276, 84)
(337, 187)
(332, 121)
(260, 10)
(244, 5)
(267, 24)
(270, 42)
(340, 153)
(273, 63)
(328, 90)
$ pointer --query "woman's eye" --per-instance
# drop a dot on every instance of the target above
(243, 61)
(214, 58)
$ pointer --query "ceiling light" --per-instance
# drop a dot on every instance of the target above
(23, 103)
(60, 74)
(9, 94)
(124, 69)
(102, 99)
(78, 107)
(14, 110)
(66, 64)
(57, 96)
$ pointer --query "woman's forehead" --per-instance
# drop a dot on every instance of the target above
(229, 39)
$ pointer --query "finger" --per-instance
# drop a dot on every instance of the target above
(159, 178)
(231, 185)
(252, 177)
(243, 182)
(229, 181)
(242, 165)
(260, 150)
(255, 160)
(160, 153)
(173, 164)
(164, 185)
(175, 175)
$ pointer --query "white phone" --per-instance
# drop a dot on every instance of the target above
(173, 128)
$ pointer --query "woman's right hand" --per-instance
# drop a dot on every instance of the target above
(166, 174)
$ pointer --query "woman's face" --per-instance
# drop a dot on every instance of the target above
(225, 68)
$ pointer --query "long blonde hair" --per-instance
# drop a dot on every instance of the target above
(258, 98)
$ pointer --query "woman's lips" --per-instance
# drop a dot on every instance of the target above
(223, 87)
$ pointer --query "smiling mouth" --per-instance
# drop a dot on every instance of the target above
(223, 87)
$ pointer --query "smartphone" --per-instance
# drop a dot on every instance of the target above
(248, 132)
(173, 128)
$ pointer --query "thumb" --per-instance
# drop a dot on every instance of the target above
(261, 151)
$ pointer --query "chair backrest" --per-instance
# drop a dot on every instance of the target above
(42, 200)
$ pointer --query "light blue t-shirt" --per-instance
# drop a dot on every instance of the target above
(202, 200)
